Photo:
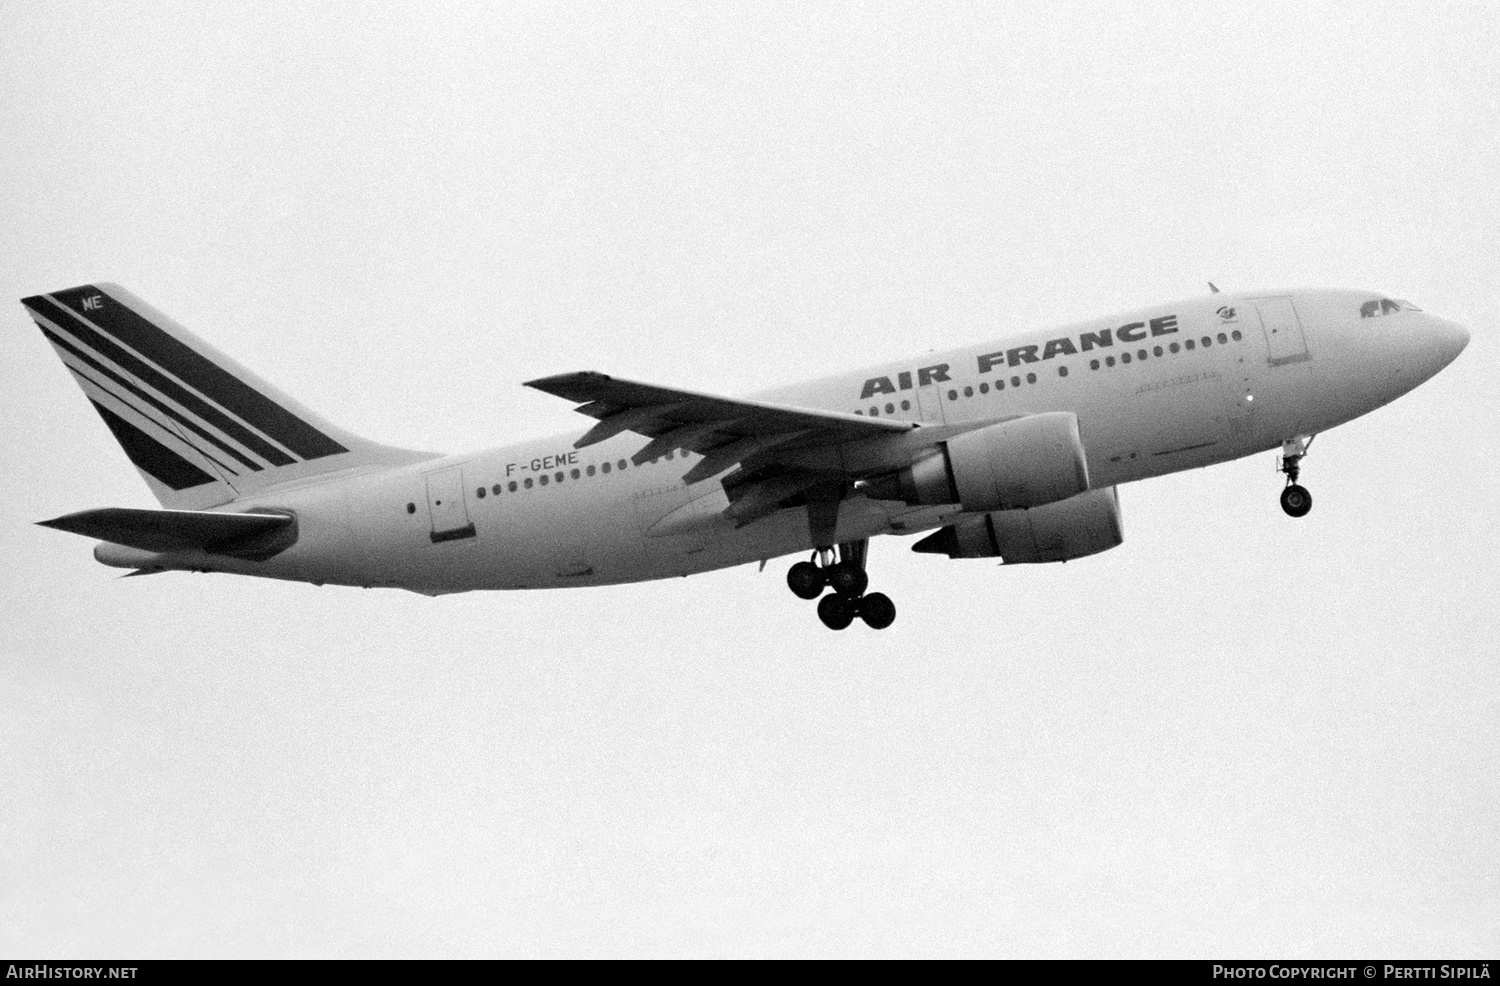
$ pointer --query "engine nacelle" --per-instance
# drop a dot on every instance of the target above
(1025, 462)
(1083, 525)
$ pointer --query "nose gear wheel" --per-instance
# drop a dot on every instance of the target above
(1296, 501)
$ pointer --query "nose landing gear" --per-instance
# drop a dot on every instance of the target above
(848, 580)
(1295, 499)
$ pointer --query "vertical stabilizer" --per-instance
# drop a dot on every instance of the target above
(201, 429)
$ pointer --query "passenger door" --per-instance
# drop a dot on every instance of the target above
(1285, 342)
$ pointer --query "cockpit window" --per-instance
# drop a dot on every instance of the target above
(1382, 306)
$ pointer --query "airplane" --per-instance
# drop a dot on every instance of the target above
(1010, 450)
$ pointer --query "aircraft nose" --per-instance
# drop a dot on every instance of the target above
(1448, 340)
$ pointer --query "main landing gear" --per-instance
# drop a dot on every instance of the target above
(1295, 500)
(847, 578)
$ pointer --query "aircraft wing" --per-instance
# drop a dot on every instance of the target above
(725, 431)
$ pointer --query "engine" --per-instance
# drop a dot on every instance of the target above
(1025, 462)
(1082, 525)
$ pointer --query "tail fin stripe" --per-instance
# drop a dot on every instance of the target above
(151, 456)
(66, 321)
(140, 394)
(86, 381)
(199, 373)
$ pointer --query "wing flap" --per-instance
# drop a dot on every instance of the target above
(257, 535)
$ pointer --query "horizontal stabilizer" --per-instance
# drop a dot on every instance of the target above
(256, 536)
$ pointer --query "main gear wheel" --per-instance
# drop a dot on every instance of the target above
(847, 578)
(836, 611)
(806, 580)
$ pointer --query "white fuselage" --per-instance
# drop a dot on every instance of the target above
(1176, 387)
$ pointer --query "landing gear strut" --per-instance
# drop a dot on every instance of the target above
(1295, 499)
(848, 580)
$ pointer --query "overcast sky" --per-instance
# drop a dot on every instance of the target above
(1237, 734)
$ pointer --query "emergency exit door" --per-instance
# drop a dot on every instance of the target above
(446, 506)
(930, 404)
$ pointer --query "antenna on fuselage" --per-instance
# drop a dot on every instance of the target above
(1212, 289)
